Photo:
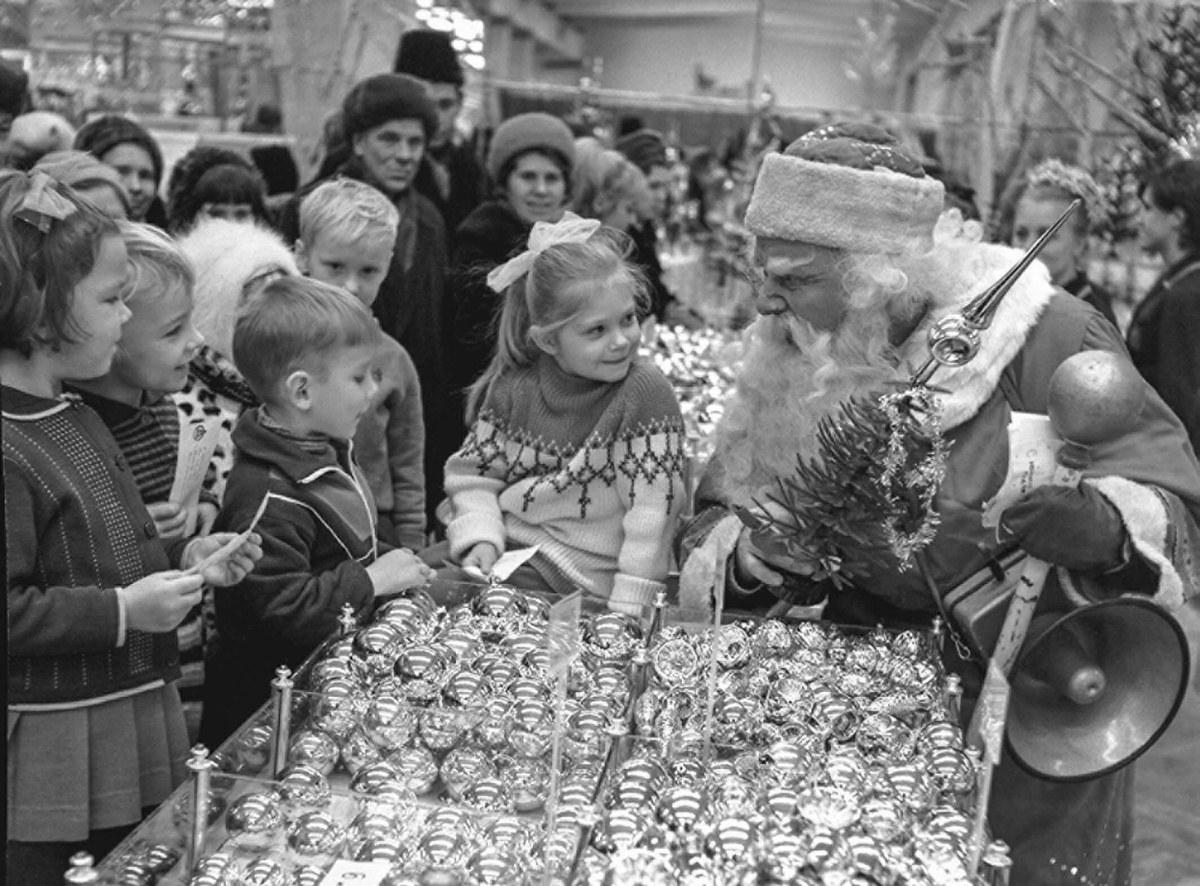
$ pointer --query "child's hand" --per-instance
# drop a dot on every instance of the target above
(223, 570)
(482, 557)
(159, 602)
(206, 516)
(169, 518)
(397, 570)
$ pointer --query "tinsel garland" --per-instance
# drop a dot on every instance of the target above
(869, 494)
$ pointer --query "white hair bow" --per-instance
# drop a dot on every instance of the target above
(570, 229)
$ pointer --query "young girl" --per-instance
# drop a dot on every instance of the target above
(576, 444)
(95, 730)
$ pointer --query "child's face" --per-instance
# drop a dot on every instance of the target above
(157, 342)
(97, 313)
(340, 395)
(600, 342)
(358, 268)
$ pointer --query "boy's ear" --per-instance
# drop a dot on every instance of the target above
(548, 342)
(300, 251)
(297, 390)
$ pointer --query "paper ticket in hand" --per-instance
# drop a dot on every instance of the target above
(197, 443)
(1032, 459)
(231, 547)
(506, 564)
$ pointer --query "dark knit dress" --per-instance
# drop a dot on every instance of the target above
(95, 727)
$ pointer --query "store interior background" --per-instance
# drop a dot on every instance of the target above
(989, 85)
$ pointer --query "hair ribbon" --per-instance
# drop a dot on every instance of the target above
(43, 204)
(570, 229)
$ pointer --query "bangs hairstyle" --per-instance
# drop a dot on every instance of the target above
(157, 265)
(296, 323)
(208, 174)
(538, 300)
(1177, 186)
(39, 272)
(348, 209)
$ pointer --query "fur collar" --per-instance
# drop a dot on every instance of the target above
(969, 386)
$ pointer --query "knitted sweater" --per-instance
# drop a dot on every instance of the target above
(389, 446)
(75, 531)
(148, 436)
(590, 472)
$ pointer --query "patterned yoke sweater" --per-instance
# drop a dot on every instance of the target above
(590, 472)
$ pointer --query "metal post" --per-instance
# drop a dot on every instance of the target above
(996, 866)
(953, 697)
(282, 686)
(82, 871)
(347, 621)
(201, 768)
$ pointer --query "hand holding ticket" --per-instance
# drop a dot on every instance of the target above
(225, 558)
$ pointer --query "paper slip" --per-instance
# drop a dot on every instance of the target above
(504, 566)
(231, 547)
(197, 443)
(1032, 459)
(359, 873)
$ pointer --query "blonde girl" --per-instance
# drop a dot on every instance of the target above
(576, 442)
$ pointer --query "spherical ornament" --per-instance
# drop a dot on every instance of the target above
(491, 866)
(181, 812)
(303, 788)
(461, 643)
(731, 839)
(443, 728)
(491, 731)
(530, 728)
(315, 838)
(951, 770)
(885, 820)
(389, 722)
(357, 750)
(1095, 396)
(680, 808)
(610, 637)
(463, 766)
(416, 768)
(467, 689)
(785, 763)
(509, 834)
(314, 748)
(488, 795)
(262, 872)
(308, 875)
(212, 870)
(528, 781)
(255, 821)
(338, 708)
(377, 646)
(829, 807)
(374, 775)
(619, 829)
(252, 748)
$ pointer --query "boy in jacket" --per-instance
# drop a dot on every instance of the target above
(306, 349)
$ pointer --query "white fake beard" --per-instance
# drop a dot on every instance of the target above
(792, 377)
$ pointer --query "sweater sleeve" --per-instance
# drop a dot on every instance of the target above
(282, 597)
(475, 477)
(406, 456)
(48, 620)
(649, 458)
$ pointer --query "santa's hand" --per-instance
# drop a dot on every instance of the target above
(1069, 526)
(753, 565)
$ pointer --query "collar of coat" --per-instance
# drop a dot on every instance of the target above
(969, 386)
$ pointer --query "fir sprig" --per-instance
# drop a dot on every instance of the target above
(868, 496)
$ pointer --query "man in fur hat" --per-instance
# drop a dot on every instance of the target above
(451, 175)
(857, 262)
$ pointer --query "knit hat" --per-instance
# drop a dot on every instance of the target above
(101, 135)
(847, 186)
(645, 148)
(384, 97)
(227, 255)
(80, 169)
(428, 55)
(527, 132)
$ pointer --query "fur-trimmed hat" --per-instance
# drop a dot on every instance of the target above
(101, 135)
(227, 256)
(645, 148)
(428, 55)
(527, 132)
(376, 100)
(847, 186)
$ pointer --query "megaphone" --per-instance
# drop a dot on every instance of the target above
(1094, 688)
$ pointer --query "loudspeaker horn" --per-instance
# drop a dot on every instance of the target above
(1095, 687)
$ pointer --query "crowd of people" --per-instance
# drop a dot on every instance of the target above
(417, 361)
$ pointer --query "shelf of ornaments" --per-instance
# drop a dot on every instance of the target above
(808, 735)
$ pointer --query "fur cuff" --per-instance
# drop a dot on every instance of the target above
(702, 579)
(860, 210)
(1148, 523)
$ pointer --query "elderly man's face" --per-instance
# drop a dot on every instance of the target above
(800, 278)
